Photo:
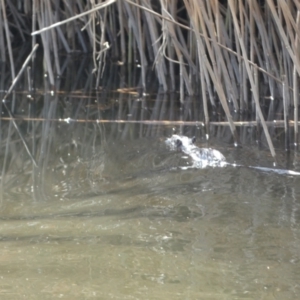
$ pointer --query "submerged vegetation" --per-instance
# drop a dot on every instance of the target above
(242, 54)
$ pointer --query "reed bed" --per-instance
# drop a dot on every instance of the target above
(78, 118)
(242, 54)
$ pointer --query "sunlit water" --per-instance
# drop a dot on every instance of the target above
(124, 221)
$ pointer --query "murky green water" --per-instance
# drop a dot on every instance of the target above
(117, 219)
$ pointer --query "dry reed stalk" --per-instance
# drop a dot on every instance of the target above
(169, 35)
(230, 62)
(90, 27)
(258, 127)
(122, 32)
(265, 34)
(286, 104)
(294, 56)
(5, 161)
(20, 72)
(103, 45)
(251, 30)
(136, 30)
(53, 37)
(77, 16)
(183, 48)
(8, 41)
(209, 33)
(266, 46)
(256, 81)
(29, 80)
(162, 70)
(290, 22)
(34, 12)
(201, 14)
(110, 20)
(217, 84)
(9, 111)
(79, 31)
(155, 42)
(181, 90)
(43, 21)
(296, 82)
(222, 66)
(244, 70)
(141, 43)
(192, 48)
(204, 98)
(18, 21)
(2, 38)
(194, 14)
(255, 95)
(246, 32)
(101, 120)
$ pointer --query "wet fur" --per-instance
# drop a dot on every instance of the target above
(202, 157)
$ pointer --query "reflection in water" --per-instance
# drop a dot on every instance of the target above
(109, 213)
(119, 219)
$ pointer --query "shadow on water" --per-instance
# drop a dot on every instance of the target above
(109, 212)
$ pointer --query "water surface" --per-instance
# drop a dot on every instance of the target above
(117, 218)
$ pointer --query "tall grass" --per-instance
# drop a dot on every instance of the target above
(225, 49)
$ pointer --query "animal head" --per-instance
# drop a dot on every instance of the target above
(181, 142)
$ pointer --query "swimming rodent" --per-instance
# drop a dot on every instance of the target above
(208, 157)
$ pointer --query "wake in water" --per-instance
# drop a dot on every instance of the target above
(208, 157)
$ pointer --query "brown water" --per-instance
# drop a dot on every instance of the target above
(120, 220)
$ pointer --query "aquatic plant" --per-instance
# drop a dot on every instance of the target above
(243, 54)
